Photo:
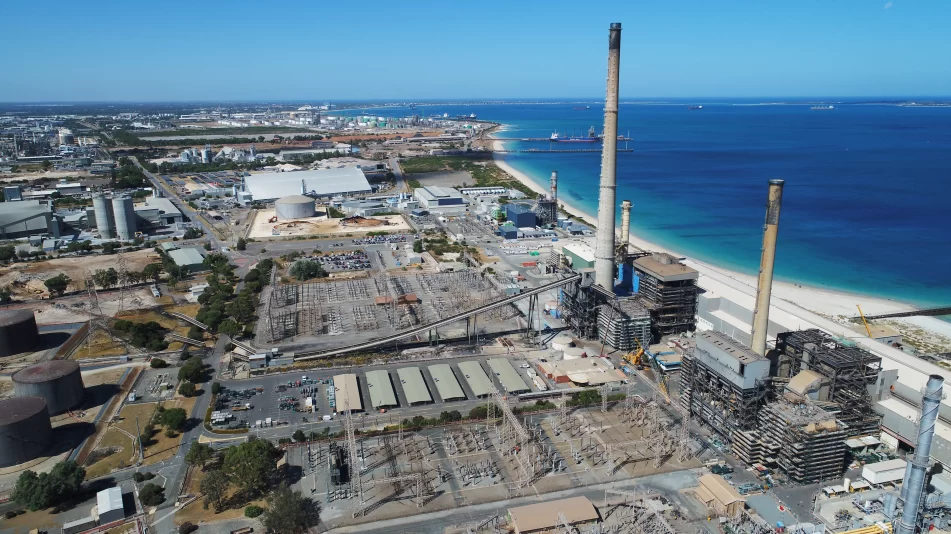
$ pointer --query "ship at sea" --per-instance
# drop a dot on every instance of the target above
(579, 108)
(591, 138)
(694, 107)
(471, 116)
(823, 108)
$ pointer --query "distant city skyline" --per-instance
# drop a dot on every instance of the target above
(297, 51)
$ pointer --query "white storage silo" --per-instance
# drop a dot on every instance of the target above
(103, 210)
(124, 216)
(294, 207)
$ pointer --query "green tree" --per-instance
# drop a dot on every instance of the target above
(215, 388)
(242, 244)
(306, 270)
(479, 412)
(57, 284)
(173, 418)
(253, 511)
(187, 389)
(193, 370)
(158, 363)
(289, 512)
(5, 295)
(152, 272)
(199, 454)
(299, 436)
(229, 328)
(152, 494)
(106, 278)
(215, 487)
(46, 165)
(418, 246)
(38, 492)
(250, 464)
(8, 252)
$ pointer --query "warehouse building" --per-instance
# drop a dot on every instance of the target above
(26, 218)
(544, 516)
(582, 372)
(447, 385)
(347, 393)
(158, 211)
(439, 199)
(414, 386)
(718, 495)
(189, 258)
(478, 381)
(889, 471)
(508, 376)
(381, 390)
(110, 506)
(321, 183)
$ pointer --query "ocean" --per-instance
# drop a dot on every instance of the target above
(866, 184)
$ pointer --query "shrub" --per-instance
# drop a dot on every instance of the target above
(253, 511)
(158, 363)
(138, 477)
(187, 389)
(152, 494)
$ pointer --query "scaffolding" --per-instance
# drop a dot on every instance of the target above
(851, 371)
(625, 324)
(581, 309)
(670, 292)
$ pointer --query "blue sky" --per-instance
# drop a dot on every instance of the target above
(313, 50)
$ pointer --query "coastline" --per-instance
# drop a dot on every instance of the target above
(820, 301)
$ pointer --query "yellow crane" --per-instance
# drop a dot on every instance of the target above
(636, 357)
(862, 315)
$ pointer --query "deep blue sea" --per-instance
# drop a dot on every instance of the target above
(866, 203)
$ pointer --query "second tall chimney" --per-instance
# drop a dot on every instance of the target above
(625, 225)
(604, 253)
(764, 284)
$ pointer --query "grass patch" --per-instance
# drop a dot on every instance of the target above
(99, 345)
(125, 456)
(195, 512)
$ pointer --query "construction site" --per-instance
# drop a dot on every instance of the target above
(504, 456)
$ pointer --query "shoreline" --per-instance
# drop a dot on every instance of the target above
(824, 302)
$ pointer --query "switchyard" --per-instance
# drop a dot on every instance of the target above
(507, 455)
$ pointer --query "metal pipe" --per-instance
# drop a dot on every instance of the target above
(604, 254)
(764, 284)
(625, 224)
(917, 470)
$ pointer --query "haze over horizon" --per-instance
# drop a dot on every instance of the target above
(243, 51)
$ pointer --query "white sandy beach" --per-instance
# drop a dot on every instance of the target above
(792, 298)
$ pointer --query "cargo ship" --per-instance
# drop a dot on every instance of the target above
(694, 107)
(824, 108)
(592, 137)
(578, 108)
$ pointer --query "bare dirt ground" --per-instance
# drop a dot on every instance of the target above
(261, 228)
(26, 279)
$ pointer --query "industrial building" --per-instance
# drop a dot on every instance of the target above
(508, 376)
(478, 381)
(521, 215)
(625, 324)
(439, 199)
(109, 505)
(191, 259)
(18, 332)
(294, 207)
(579, 255)
(322, 183)
(58, 382)
(25, 430)
(718, 495)
(158, 211)
(26, 218)
(582, 372)
(723, 383)
(447, 385)
(850, 371)
(347, 393)
(115, 216)
(670, 292)
(889, 471)
(578, 512)
(381, 389)
(414, 387)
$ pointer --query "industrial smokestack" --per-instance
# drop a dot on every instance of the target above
(604, 254)
(764, 284)
(554, 187)
(912, 492)
(625, 224)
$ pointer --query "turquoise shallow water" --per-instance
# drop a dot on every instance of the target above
(867, 196)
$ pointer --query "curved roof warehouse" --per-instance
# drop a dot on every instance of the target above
(319, 183)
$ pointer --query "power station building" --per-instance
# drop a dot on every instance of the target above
(18, 332)
(27, 218)
(58, 382)
(321, 183)
(670, 291)
(440, 199)
(25, 430)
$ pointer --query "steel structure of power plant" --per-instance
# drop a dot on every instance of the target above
(58, 382)
(18, 332)
(25, 430)
(115, 216)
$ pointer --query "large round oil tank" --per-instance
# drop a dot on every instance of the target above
(59, 382)
(294, 207)
(25, 430)
(103, 210)
(18, 332)
(124, 213)
(572, 353)
(562, 341)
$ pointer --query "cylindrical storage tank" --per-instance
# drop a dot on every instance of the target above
(562, 341)
(294, 207)
(25, 430)
(18, 332)
(572, 353)
(103, 210)
(59, 382)
(124, 214)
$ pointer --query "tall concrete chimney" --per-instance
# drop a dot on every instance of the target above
(625, 224)
(604, 253)
(554, 188)
(912, 491)
(764, 284)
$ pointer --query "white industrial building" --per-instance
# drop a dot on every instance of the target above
(440, 199)
(269, 186)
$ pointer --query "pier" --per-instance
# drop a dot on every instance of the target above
(568, 151)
